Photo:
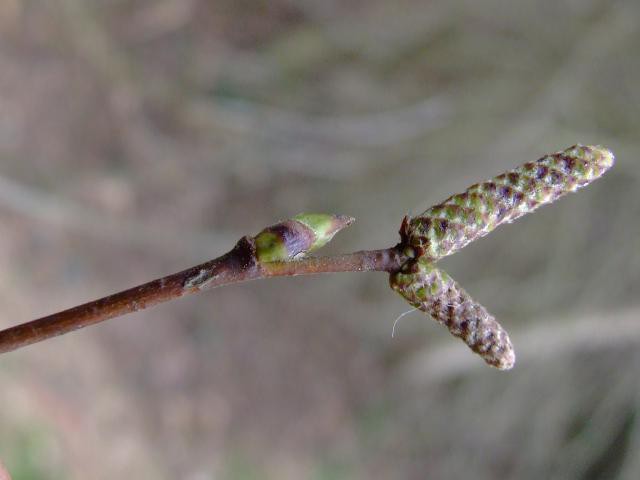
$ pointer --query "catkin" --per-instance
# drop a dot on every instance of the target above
(447, 227)
(434, 292)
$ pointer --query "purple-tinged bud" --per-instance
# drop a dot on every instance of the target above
(297, 236)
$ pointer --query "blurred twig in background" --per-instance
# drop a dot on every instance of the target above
(54, 212)
(554, 341)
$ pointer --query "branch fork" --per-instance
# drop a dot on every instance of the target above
(445, 228)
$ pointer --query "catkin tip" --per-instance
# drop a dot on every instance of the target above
(507, 361)
(604, 156)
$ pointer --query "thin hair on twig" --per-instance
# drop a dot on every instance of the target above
(398, 318)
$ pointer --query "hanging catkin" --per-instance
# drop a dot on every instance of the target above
(434, 292)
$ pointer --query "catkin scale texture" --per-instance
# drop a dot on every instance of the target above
(449, 226)
(434, 292)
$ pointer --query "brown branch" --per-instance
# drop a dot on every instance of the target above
(238, 265)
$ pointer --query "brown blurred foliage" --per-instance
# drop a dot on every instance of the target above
(140, 137)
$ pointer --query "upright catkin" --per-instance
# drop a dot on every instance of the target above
(449, 226)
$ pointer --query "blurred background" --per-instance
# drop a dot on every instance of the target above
(138, 138)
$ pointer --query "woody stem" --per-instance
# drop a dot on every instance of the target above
(238, 265)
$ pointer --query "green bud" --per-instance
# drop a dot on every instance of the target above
(323, 226)
(271, 246)
(295, 237)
